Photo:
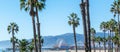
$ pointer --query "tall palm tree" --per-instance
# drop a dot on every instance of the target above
(88, 24)
(93, 32)
(115, 9)
(115, 39)
(29, 5)
(82, 6)
(111, 24)
(103, 26)
(40, 4)
(74, 22)
(13, 28)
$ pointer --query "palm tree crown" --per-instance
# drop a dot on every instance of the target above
(73, 20)
(112, 24)
(115, 7)
(27, 4)
(23, 45)
(103, 26)
(13, 27)
(93, 31)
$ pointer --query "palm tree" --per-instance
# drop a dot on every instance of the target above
(115, 40)
(39, 6)
(31, 47)
(74, 22)
(115, 9)
(23, 45)
(88, 24)
(13, 28)
(98, 40)
(82, 6)
(93, 32)
(111, 24)
(103, 26)
(29, 5)
(105, 40)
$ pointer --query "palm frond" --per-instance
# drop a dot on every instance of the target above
(40, 5)
(69, 22)
(9, 29)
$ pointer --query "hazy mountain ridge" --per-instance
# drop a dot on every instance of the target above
(50, 41)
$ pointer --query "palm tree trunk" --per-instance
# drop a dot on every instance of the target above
(112, 44)
(30, 50)
(118, 25)
(75, 38)
(38, 30)
(82, 6)
(13, 40)
(117, 48)
(88, 25)
(104, 42)
(99, 47)
(94, 45)
(118, 30)
(32, 14)
(34, 32)
(109, 41)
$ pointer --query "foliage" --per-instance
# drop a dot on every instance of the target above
(73, 20)
(13, 27)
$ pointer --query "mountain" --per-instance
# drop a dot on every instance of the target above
(51, 41)
(5, 44)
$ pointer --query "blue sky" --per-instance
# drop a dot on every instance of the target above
(53, 18)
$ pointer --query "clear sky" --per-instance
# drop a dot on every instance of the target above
(53, 18)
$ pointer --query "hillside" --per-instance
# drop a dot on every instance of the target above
(50, 41)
